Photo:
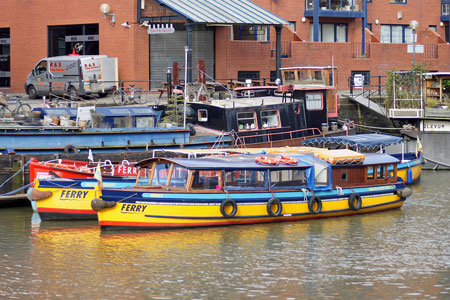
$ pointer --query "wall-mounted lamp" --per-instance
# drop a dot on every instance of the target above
(441, 24)
(126, 25)
(303, 20)
(377, 21)
(105, 8)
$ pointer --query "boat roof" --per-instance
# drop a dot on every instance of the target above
(368, 140)
(123, 111)
(247, 102)
(379, 158)
(225, 162)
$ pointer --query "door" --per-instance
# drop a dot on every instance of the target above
(41, 77)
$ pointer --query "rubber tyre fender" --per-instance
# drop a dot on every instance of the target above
(311, 202)
(277, 202)
(355, 201)
(223, 206)
(70, 149)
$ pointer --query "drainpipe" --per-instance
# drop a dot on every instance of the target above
(316, 20)
(278, 51)
(364, 25)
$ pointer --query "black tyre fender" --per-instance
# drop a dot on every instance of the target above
(355, 201)
(277, 212)
(226, 203)
(315, 205)
(70, 149)
(32, 92)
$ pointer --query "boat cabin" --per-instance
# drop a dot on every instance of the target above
(103, 117)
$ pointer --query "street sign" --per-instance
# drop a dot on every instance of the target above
(419, 49)
(160, 28)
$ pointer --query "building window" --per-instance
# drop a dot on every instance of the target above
(63, 39)
(445, 9)
(432, 28)
(247, 120)
(314, 101)
(243, 75)
(365, 76)
(293, 25)
(330, 32)
(270, 118)
(5, 64)
(397, 1)
(396, 34)
(250, 33)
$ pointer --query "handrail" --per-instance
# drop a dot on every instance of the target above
(315, 132)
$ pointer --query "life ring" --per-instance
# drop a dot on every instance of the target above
(266, 160)
(271, 203)
(288, 160)
(355, 201)
(315, 205)
(70, 149)
(226, 203)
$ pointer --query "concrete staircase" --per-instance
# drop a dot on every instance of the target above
(360, 98)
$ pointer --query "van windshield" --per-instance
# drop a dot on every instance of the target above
(41, 68)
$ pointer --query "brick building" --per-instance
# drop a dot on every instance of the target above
(358, 36)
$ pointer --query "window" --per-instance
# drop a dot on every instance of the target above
(381, 172)
(365, 74)
(397, 1)
(270, 118)
(5, 64)
(247, 120)
(288, 179)
(432, 28)
(314, 101)
(445, 9)
(179, 177)
(41, 68)
(63, 39)
(250, 33)
(145, 122)
(206, 180)
(390, 171)
(243, 75)
(396, 34)
(289, 76)
(123, 122)
(293, 25)
(344, 177)
(330, 32)
(244, 179)
(370, 173)
(161, 173)
(202, 115)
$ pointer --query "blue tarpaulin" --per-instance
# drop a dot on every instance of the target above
(369, 140)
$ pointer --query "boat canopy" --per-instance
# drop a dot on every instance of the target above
(369, 140)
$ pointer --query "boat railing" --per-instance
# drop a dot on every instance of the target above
(220, 140)
(277, 136)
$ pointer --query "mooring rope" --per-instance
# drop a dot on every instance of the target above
(20, 170)
(16, 190)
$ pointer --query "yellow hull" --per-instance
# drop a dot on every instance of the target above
(416, 171)
(170, 215)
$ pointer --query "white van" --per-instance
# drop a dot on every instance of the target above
(73, 75)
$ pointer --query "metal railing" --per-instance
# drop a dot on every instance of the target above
(278, 136)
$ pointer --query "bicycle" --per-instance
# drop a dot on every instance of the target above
(129, 94)
(21, 108)
(55, 102)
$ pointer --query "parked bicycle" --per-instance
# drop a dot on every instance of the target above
(129, 94)
(55, 102)
(6, 102)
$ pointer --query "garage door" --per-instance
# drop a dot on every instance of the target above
(167, 48)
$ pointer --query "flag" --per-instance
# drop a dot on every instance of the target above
(98, 175)
(418, 147)
(90, 155)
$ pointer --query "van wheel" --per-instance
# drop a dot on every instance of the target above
(72, 93)
(32, 93)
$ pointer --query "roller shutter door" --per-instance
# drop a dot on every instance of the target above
(167, 48)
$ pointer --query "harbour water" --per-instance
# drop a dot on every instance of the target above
(400, 254)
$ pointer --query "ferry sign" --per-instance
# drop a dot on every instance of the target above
(434, 125)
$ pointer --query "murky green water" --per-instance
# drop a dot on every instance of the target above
(401, 254)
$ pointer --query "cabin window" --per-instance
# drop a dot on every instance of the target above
(270, 118)
(123, 122)
(381, 172)
(179, 177)
(288, 179)
(314, 101)
(391, 171)
(317, 75)
(289, 75)
(247, 120)
(244, 179)
(205, 180)
(303, 76)
(161, 174)
(202, 115)
(145, 122)
(370, 173)
(344, 177)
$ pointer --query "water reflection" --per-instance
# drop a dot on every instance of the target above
(391, 255)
